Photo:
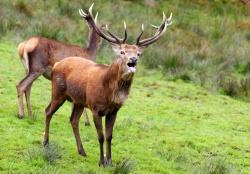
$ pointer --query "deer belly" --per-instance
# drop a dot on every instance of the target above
(103, 111)
(47, 73)
(76, 95)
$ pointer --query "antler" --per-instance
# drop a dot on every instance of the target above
(160, 30)
(93, 22)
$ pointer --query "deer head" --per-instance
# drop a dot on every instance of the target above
(128, 54)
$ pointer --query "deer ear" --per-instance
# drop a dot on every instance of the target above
(116, 48)
(141, 49)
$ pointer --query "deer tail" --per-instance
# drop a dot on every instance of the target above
(23, 54)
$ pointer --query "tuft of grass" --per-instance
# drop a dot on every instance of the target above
(50, 170)
(124, 166)
(33, 153)
(245, 85)
(51, 153)
(34, 115)
(230, 86)
(215, 165)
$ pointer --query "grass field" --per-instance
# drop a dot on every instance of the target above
(164, 127)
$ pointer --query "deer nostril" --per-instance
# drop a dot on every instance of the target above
(133, 60)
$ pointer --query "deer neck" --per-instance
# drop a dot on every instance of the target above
(117, 82)
(94, 43)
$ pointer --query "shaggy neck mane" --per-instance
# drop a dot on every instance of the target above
(116, 81)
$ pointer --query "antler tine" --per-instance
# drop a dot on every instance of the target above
(112, 35)
(116, 37)
(163, 20)
(93, 23)
(81, 12)
(125, 32)
(170, 17)
(96, 16)
(139, 37)
(90, 9)
(160, 30)
(154, 26)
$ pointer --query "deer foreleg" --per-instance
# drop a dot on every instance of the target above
(109, 124)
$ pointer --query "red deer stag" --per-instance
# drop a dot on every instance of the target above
(101, 88)
(39, 54)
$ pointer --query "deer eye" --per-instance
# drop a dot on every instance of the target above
(138, 54)
(122, 52)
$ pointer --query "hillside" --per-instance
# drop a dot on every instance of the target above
(164, 127)
(189, 108)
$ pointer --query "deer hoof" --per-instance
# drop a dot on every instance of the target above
(82, 153)
(20, 116)
(45, 143)
(106, 162)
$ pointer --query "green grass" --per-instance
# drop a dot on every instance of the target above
(164, 127)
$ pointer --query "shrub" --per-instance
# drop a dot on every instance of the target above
(45, 30)
(245, 85)
(248, 36)
(230, 87)
(65, 9)
(246, 68)
(23, 7)
(173, 63)
(7, 25)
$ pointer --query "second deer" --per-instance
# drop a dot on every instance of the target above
(38, 56)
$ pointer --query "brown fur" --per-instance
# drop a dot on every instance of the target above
(39, 54)
(101, 88)
(98, 93)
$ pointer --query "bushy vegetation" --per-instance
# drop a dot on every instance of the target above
(208, 42)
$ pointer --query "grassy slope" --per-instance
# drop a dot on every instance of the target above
(164, 127)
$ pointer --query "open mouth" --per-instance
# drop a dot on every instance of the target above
(131, 66)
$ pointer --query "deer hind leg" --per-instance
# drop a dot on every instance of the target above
(22, 87)
(50, 110)
(27, 96)
(86, 118)
(74, 120)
